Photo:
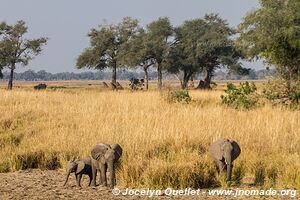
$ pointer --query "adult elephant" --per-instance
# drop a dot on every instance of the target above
(224, 152)
(104, 158)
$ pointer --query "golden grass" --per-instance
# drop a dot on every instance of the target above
(164, 144)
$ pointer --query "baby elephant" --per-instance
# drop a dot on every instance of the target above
(224, 152)
(79, 167)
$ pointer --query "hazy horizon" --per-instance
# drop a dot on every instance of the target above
(66, 23)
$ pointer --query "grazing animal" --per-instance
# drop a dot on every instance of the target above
(105, 158)
(104, 85)
(113, 86)
(224, 152)
(40, 86)
(119, 86)
(79, 167)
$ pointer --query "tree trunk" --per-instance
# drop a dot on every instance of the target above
(207, 80)
(184, 82)
(186, 77)
(146, 77)
(11, 78)
(159, 77)
(114, 73)
(192, 82)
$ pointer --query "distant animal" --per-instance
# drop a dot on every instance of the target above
(105, 159)
(119, 86)
(113, 86)
(40, 86)
(224, 152)
(104, 85)
(79, 167)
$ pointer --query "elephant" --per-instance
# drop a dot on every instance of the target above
(224, 152)
(79, 167)
(41, 86)
(105, 159)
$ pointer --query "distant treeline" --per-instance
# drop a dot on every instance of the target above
(42, 75)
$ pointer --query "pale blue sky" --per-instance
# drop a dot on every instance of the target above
(67, 22)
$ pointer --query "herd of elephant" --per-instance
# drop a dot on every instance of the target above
(104, 158)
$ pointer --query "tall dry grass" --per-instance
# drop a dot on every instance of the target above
(164, 144)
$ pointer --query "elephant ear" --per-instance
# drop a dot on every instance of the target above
(215, 149)
(118, 151)
(80, 166)
(99, 151)
(236, 149)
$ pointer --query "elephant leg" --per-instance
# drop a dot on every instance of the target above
(94, 173)
(229, 171)
(220, 165)
(91, 177)
(103, 175)
(79, 180)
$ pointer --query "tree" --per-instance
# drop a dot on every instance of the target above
(139, 53)
(157, 40)
(204, 45)
(15, 49)
(183, 57)
(272, 32)
(107, 46)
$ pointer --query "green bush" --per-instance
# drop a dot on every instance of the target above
(180, 96)
(242, 97)
(283, 92)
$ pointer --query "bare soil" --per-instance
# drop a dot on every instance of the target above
(38, 184)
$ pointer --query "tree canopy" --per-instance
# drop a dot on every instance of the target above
(272, 32)
(107, 46)
(204, 45)
(158, 44)
(15, 49)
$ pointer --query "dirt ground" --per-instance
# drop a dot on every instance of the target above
(38, 184)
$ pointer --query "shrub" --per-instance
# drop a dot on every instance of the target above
(242, 97)
(199, 175)
(29, 160)
(259, 173)
(272, 176)
(136, 84)
(238, 174)
(37, 159)
(283, 92)
(180, 96)
(4, 167)
(52, 161)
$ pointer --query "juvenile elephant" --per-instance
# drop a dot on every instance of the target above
(79, 167)
(104, 158)
(224, 152)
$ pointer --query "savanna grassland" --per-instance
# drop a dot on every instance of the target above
(165, 144)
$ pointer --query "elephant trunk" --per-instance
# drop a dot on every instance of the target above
(67, 177)
(228, 160)
(229, 170)
(228, 167)
(111, 172)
